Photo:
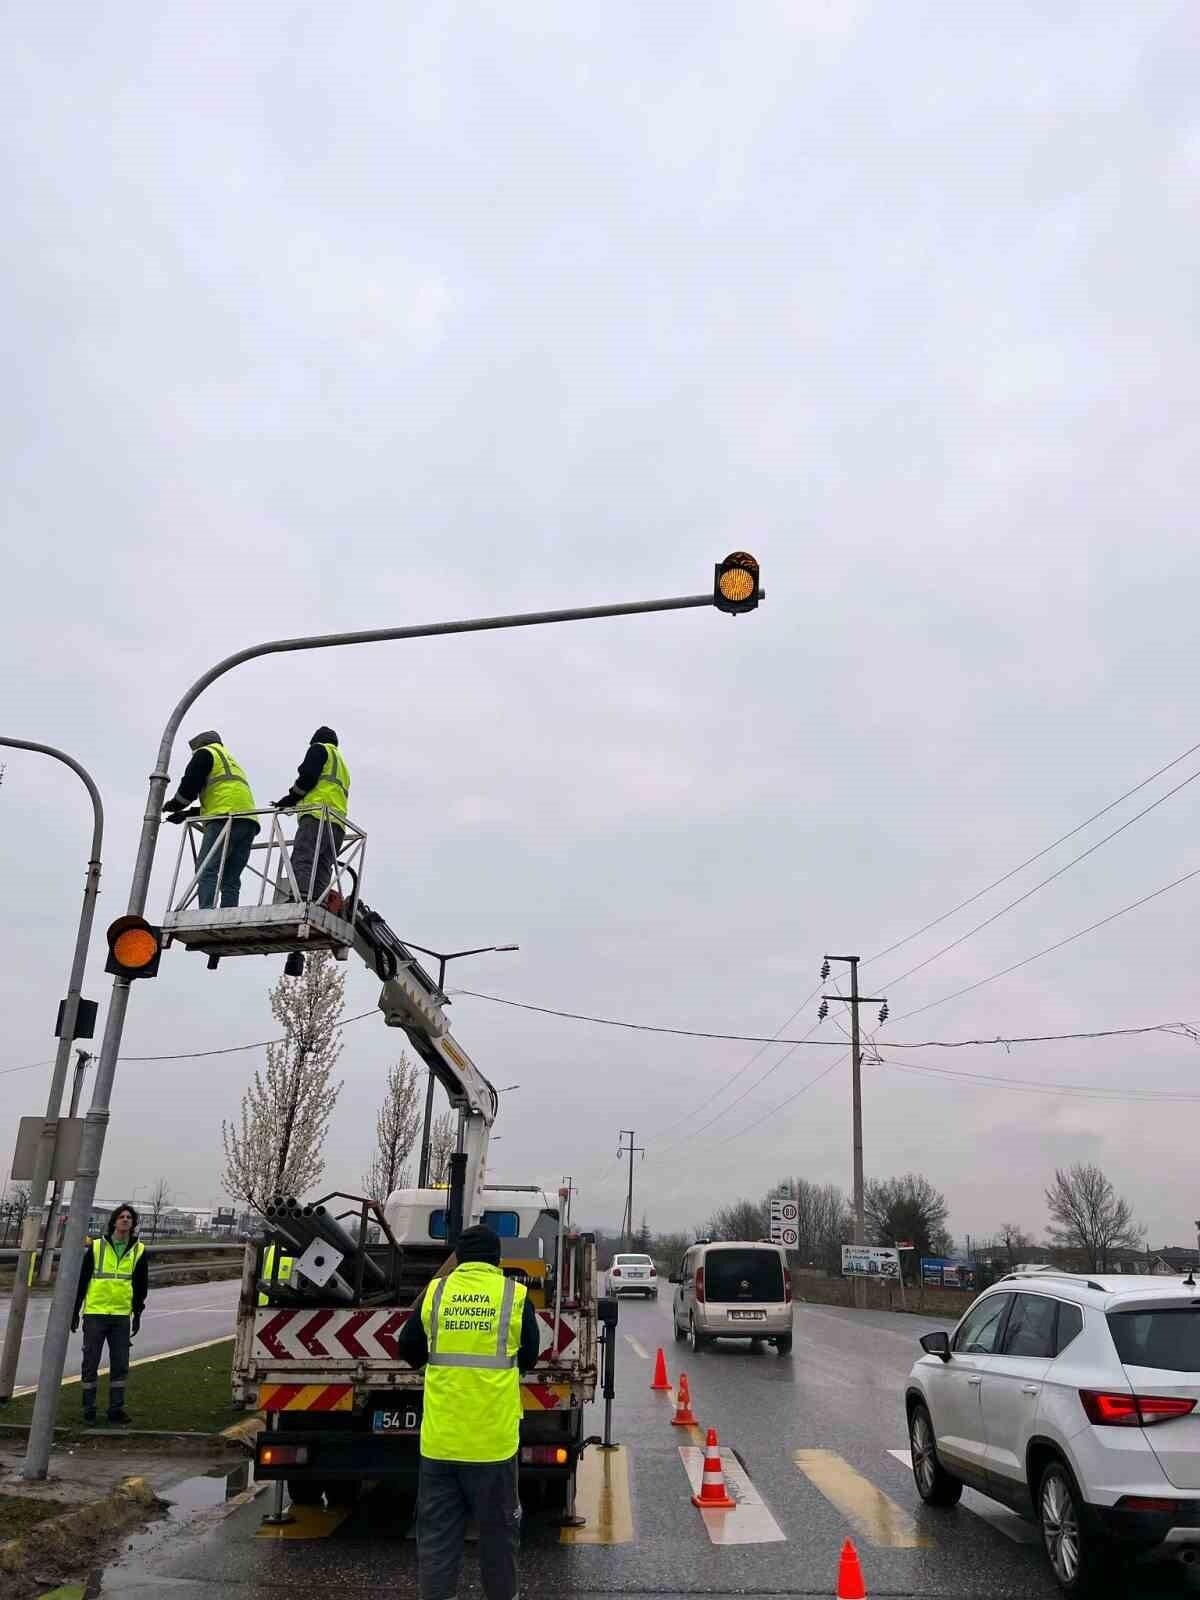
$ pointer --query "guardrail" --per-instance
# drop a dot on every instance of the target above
(8, 1256)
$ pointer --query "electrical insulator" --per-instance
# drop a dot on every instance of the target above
(822, 1010)
(883, 1012)
(825, 970)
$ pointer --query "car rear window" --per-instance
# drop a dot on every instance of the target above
(1168, 1339)
(743, 1275)
(632, 1261)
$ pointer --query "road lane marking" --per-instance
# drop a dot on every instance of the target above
(875, 1516)
(636, 1347)
(1000, 1517)
(751, 1522)
(602, 1498)
(142, 1361)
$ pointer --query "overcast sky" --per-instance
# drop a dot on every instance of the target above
(320, 318)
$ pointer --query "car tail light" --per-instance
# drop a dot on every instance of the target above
(700, 1284)
(1145, 1502)
(1126, 1410)
(616, 1272)
(787, 1286)
(654, 1272)
(544, 1455)
(283, 1455)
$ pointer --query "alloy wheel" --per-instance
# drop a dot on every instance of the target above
(923, 1457)
(1060, 1527)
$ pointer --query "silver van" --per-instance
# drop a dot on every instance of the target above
(733, 1289)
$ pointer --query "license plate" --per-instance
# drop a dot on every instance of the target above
(748, 1316)
(399, 1419)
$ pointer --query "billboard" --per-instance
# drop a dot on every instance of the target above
(870, 1261)
(947, 1272)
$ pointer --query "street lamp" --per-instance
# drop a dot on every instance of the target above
(73, 1015)
(728, 589)
(442, 958)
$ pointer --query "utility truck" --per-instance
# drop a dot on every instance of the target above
(328, 1286)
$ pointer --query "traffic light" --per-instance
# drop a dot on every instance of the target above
(134, 948)
(735, 583)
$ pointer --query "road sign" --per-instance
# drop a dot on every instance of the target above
(785, 1216)
(870, 1261)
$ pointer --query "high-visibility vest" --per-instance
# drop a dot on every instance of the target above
(227, 789)
(331, 789)
(286, 1263)
(472, 1320)
(110, 1291)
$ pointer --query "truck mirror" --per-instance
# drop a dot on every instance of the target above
(606, 1310)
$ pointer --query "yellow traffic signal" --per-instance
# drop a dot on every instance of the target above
(735, 583)
(134, 948)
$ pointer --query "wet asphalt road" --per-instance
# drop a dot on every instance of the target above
(839, 1399)
(175, 1318)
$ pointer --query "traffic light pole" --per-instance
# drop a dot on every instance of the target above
(14, 1328)
(54, 1348)
(854, 1000)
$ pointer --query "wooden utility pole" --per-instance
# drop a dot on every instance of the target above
(629, 1150)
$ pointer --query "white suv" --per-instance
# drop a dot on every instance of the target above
(1073, 1400)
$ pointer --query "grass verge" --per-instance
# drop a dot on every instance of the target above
(19, 1513)
(187, 1393)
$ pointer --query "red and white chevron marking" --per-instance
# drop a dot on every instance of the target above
(298, 1334)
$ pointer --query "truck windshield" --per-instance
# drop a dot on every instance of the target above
(743, 1275)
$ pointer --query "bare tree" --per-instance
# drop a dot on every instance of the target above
(822, 1219)
(286, 1110)
(908, 1210)
(14, 1203)
(395, 1131)
(442, 1139)
(1014, 1241)
(1087, 1215)
(742, 1220)
(157, 1202)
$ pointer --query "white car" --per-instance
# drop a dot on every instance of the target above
(1073, 1400)
(632, 1274)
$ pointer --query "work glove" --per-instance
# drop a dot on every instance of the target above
(174, 816)
(134, 1327)
(286, 803)
(75, 1323)
(174, 809)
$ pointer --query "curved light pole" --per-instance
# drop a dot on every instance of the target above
(442, 958)
(44, 1157)
(735, 588)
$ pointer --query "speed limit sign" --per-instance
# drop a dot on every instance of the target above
(789, 1237)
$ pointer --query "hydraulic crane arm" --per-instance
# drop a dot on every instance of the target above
(410, 999)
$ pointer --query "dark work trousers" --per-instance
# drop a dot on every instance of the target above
(97, 1331)
(453, 1493)
(304, 855)
(236, 851)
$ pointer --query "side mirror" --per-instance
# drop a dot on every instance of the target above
(936, 1344)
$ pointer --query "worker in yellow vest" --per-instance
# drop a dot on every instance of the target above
(320, 796)
(113, 1283)
(270, 1275)
(475, 1333)
(219, 783)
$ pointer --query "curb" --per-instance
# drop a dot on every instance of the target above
(198, 1442)
(122, 1507)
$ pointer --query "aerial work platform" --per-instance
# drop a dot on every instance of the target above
(280, 914)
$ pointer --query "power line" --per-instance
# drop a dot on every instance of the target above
(1050, 948)
(1074, 862)
(806, 1039)
(1028, 862)
(1089, 1091)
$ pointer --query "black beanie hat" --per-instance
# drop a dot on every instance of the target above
(324, 735)
(479, 1243)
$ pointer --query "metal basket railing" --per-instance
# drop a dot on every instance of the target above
(270, 866)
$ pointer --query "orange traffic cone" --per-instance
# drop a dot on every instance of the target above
(850, 1578)
(683, 1417)
(713, 1496)
(661, 1381)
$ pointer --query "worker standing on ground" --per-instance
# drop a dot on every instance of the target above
(320, 795)
(214, 778)
(113, 1283)
(476, 1333)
